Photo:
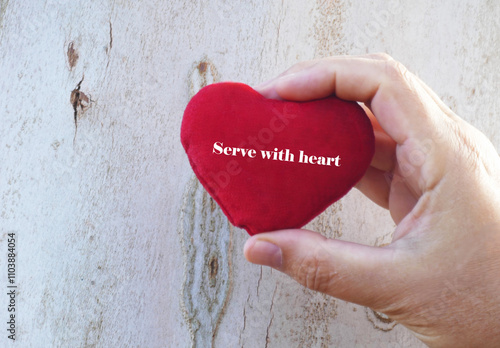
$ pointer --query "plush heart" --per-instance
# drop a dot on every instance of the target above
(274, 164)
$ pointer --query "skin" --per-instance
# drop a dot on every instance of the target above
(438, 176)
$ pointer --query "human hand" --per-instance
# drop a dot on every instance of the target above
(440, 179)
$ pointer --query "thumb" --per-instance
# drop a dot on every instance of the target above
(352, 272)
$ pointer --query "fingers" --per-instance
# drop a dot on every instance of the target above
(294, 68)
(384, 157)
(444, 108)
(376, 126)
(267, 88)
(402, 198)
(399, 101)
(375, 185)
(348, 271)
(262, 88)
(390, 191)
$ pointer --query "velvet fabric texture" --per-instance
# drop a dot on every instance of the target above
(273, 164)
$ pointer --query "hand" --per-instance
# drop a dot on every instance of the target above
(440, 179)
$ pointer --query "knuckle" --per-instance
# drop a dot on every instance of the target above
(314, 273)
(299, 66)
(397, 71)
(468, 148)
(381, 56)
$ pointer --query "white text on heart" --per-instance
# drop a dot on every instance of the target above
(282, 155)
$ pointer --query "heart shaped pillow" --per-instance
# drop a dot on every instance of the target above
(274, 164)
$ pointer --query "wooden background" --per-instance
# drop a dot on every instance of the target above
(118, 245)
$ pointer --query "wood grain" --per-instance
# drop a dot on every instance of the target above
(119, 246)
(208, 248)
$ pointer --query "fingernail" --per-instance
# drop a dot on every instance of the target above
(388, 177)
(265, 253)
(264, 84)
(287, 77)
(275, 79)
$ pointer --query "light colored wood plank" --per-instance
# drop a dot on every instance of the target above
(102, 217)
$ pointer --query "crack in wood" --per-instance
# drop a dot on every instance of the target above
(380, 321)
(244, 320)
(272, 316)
(213, 265)
(110, 35)
(72, 55)
(80, 102)
(75, 101)
(258, 282)
(110, 45)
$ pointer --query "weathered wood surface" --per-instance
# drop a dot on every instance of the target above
(118, 245)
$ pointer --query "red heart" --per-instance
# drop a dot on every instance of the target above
(265, 194)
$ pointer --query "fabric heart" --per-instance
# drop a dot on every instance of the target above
(274, 164)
